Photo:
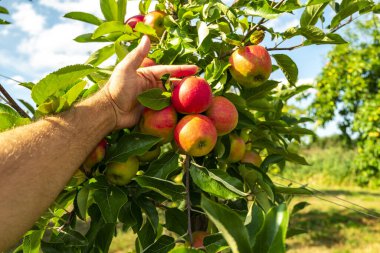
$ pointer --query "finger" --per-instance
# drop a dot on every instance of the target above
(174, 70)
(136, 56)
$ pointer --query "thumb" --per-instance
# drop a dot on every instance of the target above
(137, 55)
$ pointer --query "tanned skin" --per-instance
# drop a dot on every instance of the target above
(37, 160)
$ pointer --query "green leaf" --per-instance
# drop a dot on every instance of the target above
(82, 202)
(293, 191)
(184, 249)
(311, 14)
(229, 224)
(9, 110)
(313, 2)
(109, 9)
(59, 80)
(150, 210)
(166, 188)
(145, 236)
(32, 241)
(209, 182)
(144, 6)
(131, 145)
(203, 32)
(87, 37)
(72, 95)
(3, 10)
(163, 167)
(110, 200)
(155, 99)
(27, 105)
(288, 66)
(272, 236)
(122, 9)
(215, 243)
(348, 10)
(85, 17)
(262, 9)
(176, 221)
(331, 38)
(261, 104)
(254, 221)
(163, 245)
(101, 55)
(8, 121)
(145, 29)
(111, 27)
(299, 206)
(4, 22)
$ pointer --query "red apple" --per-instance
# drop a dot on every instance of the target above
(132, 21)
(159, 123)
(237, 148)
(198, 238)
(95, 156)
(147, 63)
(223, 114)
(252, 157)
(155, 19)
(250, 65)
(122, 173)
(192, 95)
(150, 155)
(195, 134)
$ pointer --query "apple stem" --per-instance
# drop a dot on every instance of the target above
(13, 103)
(188, 201)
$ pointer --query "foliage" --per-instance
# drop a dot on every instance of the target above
(350, 87)
(238, 203)
(3, 10)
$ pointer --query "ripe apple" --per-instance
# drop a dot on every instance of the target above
(237, 148)
(159, 123)
(122, 173)
(250, 65)
(192, 95)
(150, 155)
(155, 19)
(223, 114)
(198, 238)
(147, 63)
(195, 134)
(132, 21)
(252, 157)
(95, 156)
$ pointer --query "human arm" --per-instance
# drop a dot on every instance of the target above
(37, 160)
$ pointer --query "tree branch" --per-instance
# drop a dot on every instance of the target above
(285, 48)
(13, 103)
(188, 201)
(343, 24)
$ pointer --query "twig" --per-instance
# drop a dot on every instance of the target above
(10, 78)
(13, 103)
(285, 48)
(343, 24)
(188, 201)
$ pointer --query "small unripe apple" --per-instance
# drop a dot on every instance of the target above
(250, 66)
(195, 134)
(198, 238)
(147, 62)
(252, 157)
(122, 173)
(192, 95)
(150, 155)
(159, 123)
(132, 21)
(223, 114)
(155, 19)
(95, 156)
(237, 148)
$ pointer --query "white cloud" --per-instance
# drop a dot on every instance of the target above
(65, 6)
(281, 25)
(27, 19)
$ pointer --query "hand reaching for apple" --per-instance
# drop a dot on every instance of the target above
(128, 81)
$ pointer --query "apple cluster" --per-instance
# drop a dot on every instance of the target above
(202, 118)
(154, 19)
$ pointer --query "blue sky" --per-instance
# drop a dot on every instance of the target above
(40, 41)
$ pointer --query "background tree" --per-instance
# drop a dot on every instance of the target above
(348, 87)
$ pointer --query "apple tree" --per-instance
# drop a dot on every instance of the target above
(174, 199)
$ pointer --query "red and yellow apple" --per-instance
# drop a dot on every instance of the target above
(195, 134)
(155, 19)
(159, 123)
(250, 66)
(121, 173)
(132, 21)
(150, 155)
(198, 238)
(95, 156)
(252, 157)
(237, 148)
(192, 95)
(147, 62)
(223, 114)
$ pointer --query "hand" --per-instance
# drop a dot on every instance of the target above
(128, 81)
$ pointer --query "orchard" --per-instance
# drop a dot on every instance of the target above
(192, 175)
